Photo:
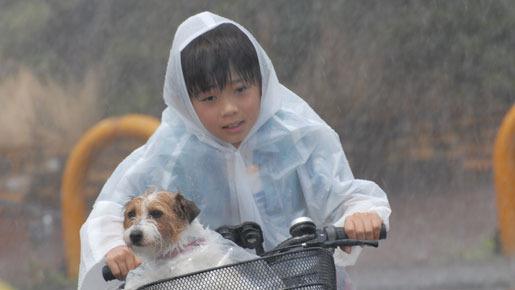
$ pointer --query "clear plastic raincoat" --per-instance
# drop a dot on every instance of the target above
(291, 164)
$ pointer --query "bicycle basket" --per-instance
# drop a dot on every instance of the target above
(308, 269)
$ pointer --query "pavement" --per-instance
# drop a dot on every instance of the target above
(438, 241)
(495, 274)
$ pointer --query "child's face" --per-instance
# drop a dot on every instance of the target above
(229, 114)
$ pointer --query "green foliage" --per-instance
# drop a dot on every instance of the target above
(20, 24)
(467, 41)
(388, 75)
(46, 278)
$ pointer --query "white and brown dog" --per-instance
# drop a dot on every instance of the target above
(162, 230)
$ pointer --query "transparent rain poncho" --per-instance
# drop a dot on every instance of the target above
(291, 164)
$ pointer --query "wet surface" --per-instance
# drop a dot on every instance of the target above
(438, 242)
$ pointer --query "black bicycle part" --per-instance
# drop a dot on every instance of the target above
(302, 226)
(107, 274)
(326, 237)
(246, 235)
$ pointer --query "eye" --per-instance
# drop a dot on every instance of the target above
(241, 89)
(208, 99)
(155, 213)
(131, 214)
(208, 96)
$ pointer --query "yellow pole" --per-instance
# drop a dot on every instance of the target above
(5, 286)
(73, 202)
(504, 178)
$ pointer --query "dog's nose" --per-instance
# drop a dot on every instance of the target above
(136, 236)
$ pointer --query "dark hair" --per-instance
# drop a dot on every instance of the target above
(207, 60)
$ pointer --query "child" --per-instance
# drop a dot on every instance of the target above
(240, 145)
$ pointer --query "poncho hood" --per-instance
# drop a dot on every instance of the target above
(176, 94)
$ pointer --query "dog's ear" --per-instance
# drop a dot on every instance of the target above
(185, 208)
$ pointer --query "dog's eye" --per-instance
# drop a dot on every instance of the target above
(156, 214)
(131, 214)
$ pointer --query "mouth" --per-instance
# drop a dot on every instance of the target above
(143, 244)
(234, 127)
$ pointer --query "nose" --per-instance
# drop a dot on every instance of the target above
(229, 107)
(136, 237)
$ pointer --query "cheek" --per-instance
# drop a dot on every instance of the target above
(252, 107)
(170, 230)
(166, 230)
(207, 115)
(127, 223)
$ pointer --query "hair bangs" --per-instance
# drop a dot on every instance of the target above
(219, 56)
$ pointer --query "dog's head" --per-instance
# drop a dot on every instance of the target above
(154, 221)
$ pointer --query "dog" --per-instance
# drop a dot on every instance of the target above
(162, 230)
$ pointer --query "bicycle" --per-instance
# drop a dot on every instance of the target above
(303, 261)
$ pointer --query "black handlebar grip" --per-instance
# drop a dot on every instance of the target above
(341, 235)
(382, 233)
(107, 274)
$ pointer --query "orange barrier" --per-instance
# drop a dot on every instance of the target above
(5, 286)
(73, 201)
(504, 178)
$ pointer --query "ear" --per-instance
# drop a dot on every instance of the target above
(185, 208)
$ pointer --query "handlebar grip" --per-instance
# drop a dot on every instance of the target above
(341, 235)
(107, 274)
(383, 233)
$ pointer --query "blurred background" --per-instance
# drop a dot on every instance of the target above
(416, 90)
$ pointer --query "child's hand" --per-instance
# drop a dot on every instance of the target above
(362, 226)
(121, 260)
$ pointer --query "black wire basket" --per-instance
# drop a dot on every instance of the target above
(311, 269)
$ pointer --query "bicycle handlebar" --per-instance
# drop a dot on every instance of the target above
(341, 235)
(107, 274)
(305, 234)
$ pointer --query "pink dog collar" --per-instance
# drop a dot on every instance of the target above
(193, 244)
